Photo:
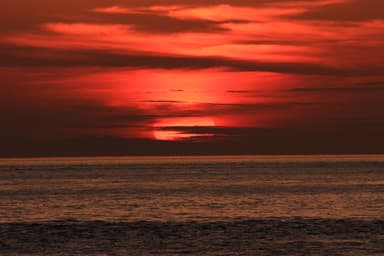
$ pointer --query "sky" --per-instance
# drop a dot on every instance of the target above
(123, 77)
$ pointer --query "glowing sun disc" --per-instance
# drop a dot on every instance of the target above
(160, 134)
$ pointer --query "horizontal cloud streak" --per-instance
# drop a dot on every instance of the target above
(353, 10)
(13, 56)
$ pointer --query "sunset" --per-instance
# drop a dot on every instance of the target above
(257, 114)
(125, 71)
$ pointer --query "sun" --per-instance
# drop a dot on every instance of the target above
(167, 128)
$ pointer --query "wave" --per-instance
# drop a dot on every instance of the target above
(278, 236)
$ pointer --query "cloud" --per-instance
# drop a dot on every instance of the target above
(157, 23)
(162, 101)
(34, 57)
(32, 107)
(350, 89)
(205, 34)
(17, 16)
(221, 130)
(243, 91)
(353, 10)
(66, 119)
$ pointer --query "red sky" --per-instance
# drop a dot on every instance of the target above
(191, 77)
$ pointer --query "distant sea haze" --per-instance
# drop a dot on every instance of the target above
(217, 205)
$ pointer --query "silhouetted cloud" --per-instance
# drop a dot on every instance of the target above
(353, 10)
(346, 89)
(221, 130)
(33, 57)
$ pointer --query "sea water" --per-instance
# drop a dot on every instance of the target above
(216, 205)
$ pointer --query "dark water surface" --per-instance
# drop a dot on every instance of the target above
(236, 205)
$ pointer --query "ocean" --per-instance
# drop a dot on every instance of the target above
(211, 205)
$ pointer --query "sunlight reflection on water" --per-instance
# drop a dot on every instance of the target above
(191, 188)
